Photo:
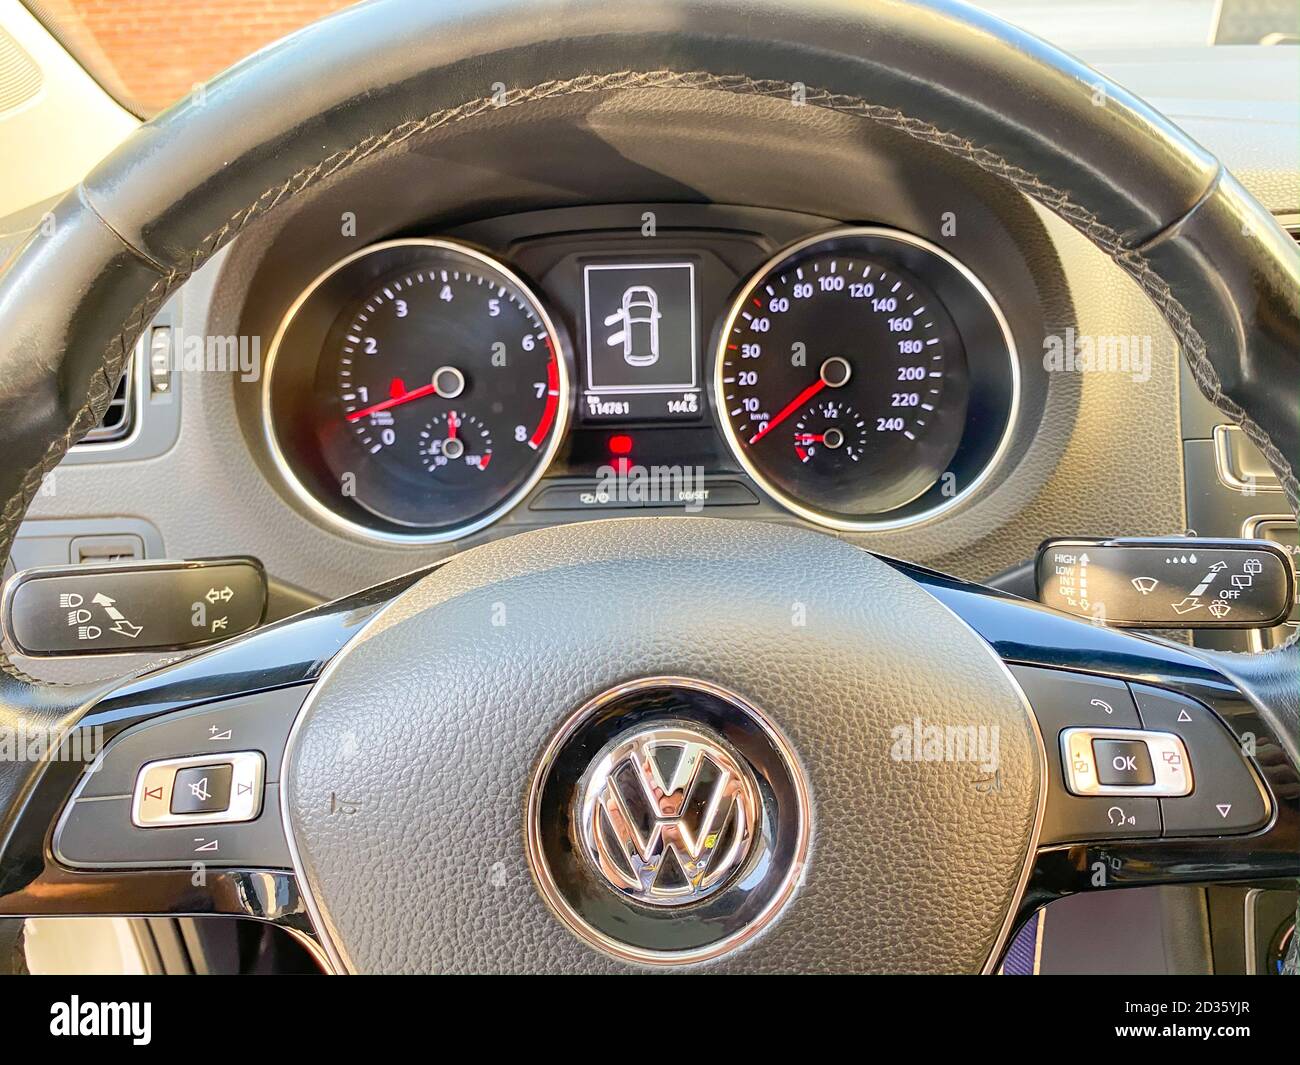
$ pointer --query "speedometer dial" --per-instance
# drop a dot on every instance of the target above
(842, 379)
(439, 392)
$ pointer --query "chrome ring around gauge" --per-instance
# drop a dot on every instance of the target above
(866, 379)
(415, 392)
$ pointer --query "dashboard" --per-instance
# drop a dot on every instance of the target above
(699, 210)
(858, 377)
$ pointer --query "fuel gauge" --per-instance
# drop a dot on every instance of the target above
(830, 431)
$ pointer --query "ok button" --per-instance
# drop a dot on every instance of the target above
(1123, 762)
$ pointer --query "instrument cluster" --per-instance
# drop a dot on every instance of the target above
(422, 389)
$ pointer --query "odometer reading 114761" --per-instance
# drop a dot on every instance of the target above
(841, 381)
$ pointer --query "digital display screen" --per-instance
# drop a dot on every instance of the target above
(641, 358)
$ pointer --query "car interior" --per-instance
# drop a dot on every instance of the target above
(593, 487)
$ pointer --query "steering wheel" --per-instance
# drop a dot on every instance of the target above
(722, 759)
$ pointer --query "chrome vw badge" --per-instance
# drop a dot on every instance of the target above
(667, 814)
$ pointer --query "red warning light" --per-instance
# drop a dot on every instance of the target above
(620, 444)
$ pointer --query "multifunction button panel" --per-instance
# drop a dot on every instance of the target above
(198, 785)
(1125, 762)
(1133, 761)
(199, 790)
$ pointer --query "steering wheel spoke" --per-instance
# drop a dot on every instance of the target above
(1235, 818)
(174, 805)
(173, 802)
(162, 795)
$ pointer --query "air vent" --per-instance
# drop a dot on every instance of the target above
(119, 419)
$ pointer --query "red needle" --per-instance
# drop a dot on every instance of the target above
(396, 401)
(810, 438)
(794, 404)
(453, 423)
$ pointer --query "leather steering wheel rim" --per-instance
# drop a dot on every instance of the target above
(78, 295)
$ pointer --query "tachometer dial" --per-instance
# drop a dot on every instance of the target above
(439, 391)
(842, 379)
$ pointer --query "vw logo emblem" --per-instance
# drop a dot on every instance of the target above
(667, 814)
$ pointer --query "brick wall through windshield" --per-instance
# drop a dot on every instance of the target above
(150, 53)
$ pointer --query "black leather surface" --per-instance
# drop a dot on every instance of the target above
(1241, 336)
(1272, 681)
(433, 721)
(322, 91)
(40, 714)
(66, 308)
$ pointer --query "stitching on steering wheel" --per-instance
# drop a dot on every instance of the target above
(87, 417)
(1056, 200)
